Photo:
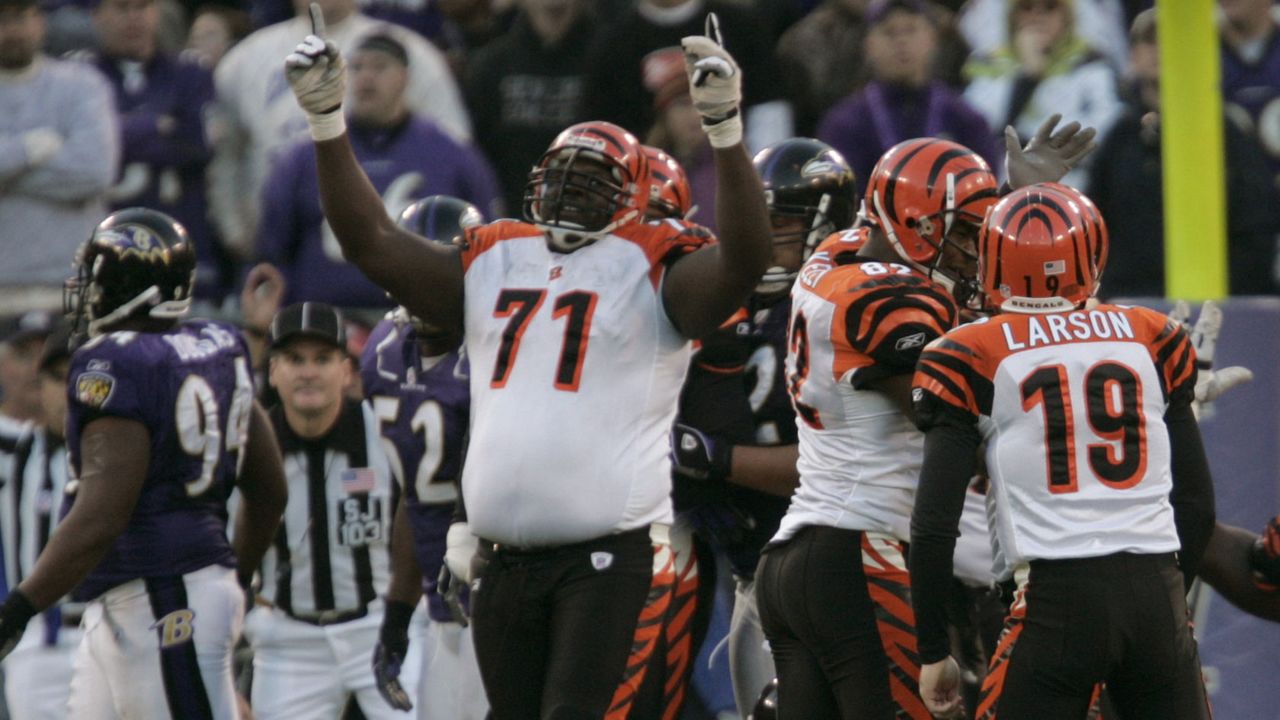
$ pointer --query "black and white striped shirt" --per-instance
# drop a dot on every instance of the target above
(331, 558)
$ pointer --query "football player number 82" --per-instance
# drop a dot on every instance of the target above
(1113, 409)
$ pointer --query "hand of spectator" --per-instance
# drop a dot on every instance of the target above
(1049, 155)
(318, 75)
(40, 145)
(261, 298)
(715, 85)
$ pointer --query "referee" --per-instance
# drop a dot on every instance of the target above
(316, 621)
(33, 475)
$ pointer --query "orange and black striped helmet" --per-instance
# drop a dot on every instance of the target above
(923, 189)
(670, 195)
(1040, 250)
(593, 180)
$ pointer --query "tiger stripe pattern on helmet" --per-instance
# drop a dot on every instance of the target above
(920, 187)
(670, 195)
(1039, 250)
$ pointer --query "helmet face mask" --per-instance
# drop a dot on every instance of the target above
(808, 188)
(139, 263)
(928, 194)
(593, 180)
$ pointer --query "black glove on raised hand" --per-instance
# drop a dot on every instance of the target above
(389, 654)
(697, 455)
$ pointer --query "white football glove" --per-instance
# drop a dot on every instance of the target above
(460, 547)
(1210, 383)
(40, 145)
(1049, 155)
(715, 85)
(318, 75)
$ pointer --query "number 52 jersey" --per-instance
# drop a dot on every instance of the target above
(1071, 406)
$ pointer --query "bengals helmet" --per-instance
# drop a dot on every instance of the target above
(138, 263)
(592, 180)
(438, 218)
(1039, 249)
(925, 194)
(806, 179)
(1095, 230)
(669, 193)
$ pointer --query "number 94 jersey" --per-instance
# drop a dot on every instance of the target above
(1071, 406)
(853, 322)
(191, 387)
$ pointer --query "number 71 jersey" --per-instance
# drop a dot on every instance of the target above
(1071, 406)
(576, 370)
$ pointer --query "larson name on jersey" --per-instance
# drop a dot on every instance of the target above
(1068, 327)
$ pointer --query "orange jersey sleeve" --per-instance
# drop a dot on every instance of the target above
(889, 318)
(951, 381)
(1172, 352)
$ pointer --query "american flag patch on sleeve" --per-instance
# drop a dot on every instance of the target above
(358, 480)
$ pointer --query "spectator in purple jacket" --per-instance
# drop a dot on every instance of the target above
(406, 157)
(163, 102)
(904, 99)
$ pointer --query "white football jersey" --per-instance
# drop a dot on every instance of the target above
(859, 454)
(1071, 406)
(576, 371)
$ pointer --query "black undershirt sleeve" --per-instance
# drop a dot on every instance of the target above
(1192, 495)
(950, 451)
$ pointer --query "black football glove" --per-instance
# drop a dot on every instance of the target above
(1265, 557)
(450, 589)
(389, 654)
(697, 455)
(16, 612)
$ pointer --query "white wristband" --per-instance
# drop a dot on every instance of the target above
(726, 133)
(327, 126)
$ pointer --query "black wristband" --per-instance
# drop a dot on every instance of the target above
(716, 121)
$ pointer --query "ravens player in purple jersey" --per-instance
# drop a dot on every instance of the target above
(416, 378)
(161, 424)
(735, 441)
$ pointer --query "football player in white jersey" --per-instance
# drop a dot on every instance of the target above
(1101, 494)
(578, 324)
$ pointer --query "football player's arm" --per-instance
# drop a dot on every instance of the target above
(705, 287)
(115, 455)
(406, 577)
(264, 489)
(950, 449)
(1192, 494)
(423, 276)
(767, 468)
(1226, 568)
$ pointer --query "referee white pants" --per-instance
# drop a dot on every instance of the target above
(160, 649)
(450, 687)
(306, 672)
(37, 677)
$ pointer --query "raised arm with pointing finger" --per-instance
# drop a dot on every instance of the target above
(700, 290)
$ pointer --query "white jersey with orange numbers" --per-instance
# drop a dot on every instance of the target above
(576, 371)
(853, 324)
(1071, 406)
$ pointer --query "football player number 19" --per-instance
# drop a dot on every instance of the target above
(575, 308)
(1113, 408)
(199, 431)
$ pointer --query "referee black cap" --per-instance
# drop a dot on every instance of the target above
(315, 320)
